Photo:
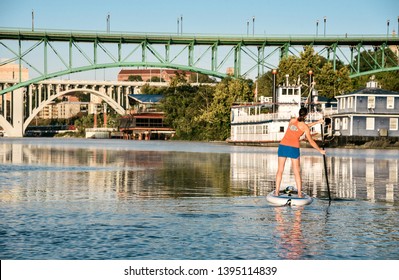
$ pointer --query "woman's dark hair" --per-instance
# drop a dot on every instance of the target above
(302, 114)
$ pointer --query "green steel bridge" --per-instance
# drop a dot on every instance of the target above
(49, 54)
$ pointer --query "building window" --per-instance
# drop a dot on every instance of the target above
(390, 102)
(350, 102)
(370, 123)
(344, 123)
(337, 124)
(371, 102)
(265, 129)
(393, 124)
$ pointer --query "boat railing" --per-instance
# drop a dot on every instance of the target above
(261, 117)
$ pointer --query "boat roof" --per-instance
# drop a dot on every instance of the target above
(370, 91)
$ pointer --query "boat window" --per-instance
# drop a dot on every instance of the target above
(370, 123)
(281, 128)
(284, 91)
(393, 124)
(390, 102)
(337, 124)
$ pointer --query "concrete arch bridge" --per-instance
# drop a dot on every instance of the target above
(15, 118)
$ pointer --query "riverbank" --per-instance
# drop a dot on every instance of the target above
(359, 142)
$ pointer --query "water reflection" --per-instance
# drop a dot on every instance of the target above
(364, 174)
(291, 242)
(80, 199)
(34, 171)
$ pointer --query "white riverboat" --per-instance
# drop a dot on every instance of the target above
(262, 123)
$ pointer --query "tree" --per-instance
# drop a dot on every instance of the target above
(203, 112)
(367, 62)
(200, 78)
(135, 78)
(328, 82)
(265, 84)
(227, 92)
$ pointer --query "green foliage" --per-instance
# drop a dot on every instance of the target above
(135, 78)
(203, 113)
(84, 122)
(329, 83)
(200, 78)
(366, 61)
(147, 89)
(265, 84)
(156, 79)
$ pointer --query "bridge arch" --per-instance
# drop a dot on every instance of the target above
(114, 65)
(118, 108)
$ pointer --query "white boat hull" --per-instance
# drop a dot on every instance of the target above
(289, 199)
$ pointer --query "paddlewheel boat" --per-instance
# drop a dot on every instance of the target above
(265, 122)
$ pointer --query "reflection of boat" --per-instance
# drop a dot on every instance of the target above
(289, 197)
(266, 122)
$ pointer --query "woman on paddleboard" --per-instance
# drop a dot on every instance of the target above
(289, 148)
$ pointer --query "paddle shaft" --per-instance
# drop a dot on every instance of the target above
(325, 163)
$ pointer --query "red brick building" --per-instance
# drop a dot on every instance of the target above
(148, 74)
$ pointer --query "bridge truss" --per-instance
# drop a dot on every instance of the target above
(49, 54)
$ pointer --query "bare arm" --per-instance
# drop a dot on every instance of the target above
(314, 123)
(311, 141)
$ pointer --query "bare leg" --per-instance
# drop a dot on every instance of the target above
(296, 166)
(279, 175)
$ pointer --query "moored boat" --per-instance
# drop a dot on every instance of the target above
(265, 122)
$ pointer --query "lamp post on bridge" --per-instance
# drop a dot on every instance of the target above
(317, 28)
(387, 27)
(253, 26)
(108, 23)
(325, 23)
(33, 20)
(181, 22)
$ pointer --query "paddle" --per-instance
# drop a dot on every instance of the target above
(325, 162)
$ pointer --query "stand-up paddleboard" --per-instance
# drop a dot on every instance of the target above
(289, 197)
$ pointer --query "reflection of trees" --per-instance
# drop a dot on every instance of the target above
(198, 174)
(360, 175)
(182, 174)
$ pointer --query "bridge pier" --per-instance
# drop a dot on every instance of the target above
(15, 128)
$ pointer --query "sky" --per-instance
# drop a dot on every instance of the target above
(224, 17)
(289, 17)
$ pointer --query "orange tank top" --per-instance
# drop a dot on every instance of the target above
(292, 135)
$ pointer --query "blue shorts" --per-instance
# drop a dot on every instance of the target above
(288, 151)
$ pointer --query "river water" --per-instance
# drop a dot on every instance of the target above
(119, 199)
